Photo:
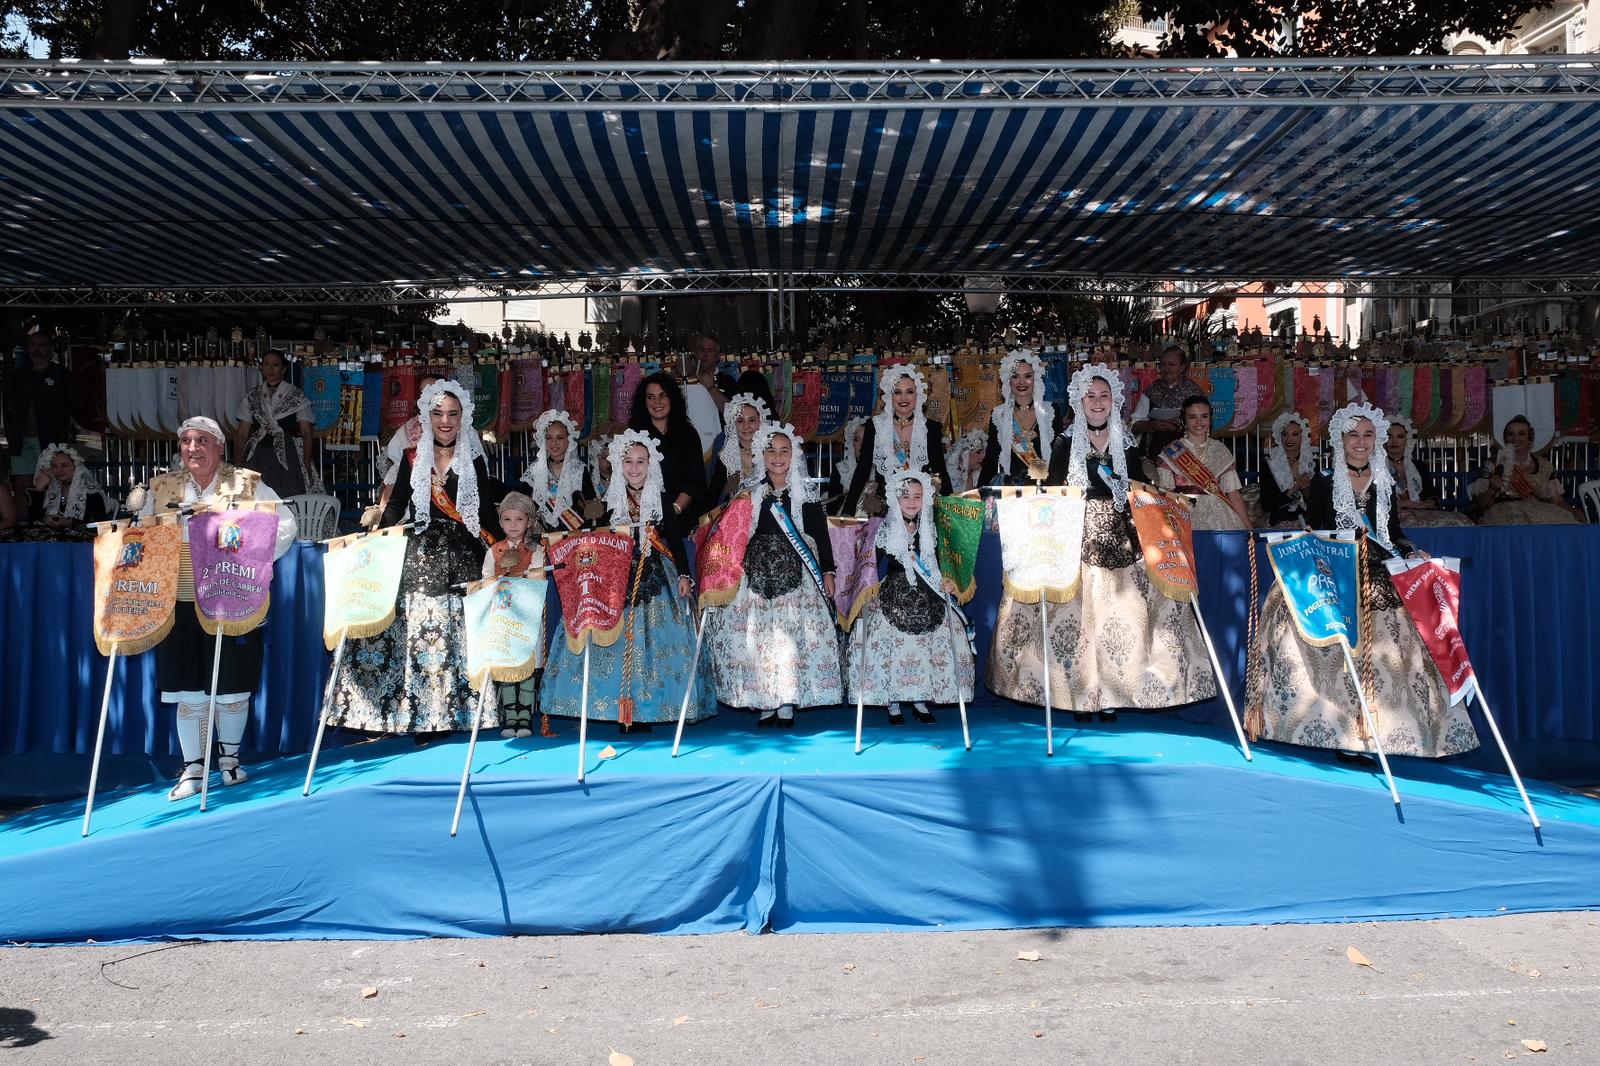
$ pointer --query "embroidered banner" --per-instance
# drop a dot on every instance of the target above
(1268, 395)
(805, 409)
(321, 385)
(1041, 544)
(361, 583)
(863, 393)
(555, 390)
(719, 545)
(575, 400)
(591, 571)
(855, 561)
(527, 394)
(1317, 573)
(624, 383)
(485, 396)
(1421, 411)
(1388, 395)
(960, 523)
(600, 400)
(232, 554)
(1475, 420)
(504, 619)
(1224, 384)
(399, 396)
(938, 406)
(833, 408)
(1166, 537)
(135, 585)
(372, 402)
(1246, 397)
(1431, 591)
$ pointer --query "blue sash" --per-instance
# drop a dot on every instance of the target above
(798, 543)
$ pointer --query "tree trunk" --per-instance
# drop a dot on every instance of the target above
(788, 25)
(113, 36)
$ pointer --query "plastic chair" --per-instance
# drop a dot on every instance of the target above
(317, 516)
(1589, 499)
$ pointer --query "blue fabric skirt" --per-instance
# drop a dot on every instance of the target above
(663, 642)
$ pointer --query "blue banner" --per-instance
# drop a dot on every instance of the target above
(1317, 573)
(1224, 387)
(835, 407)
(863, 393)
(505, 628)
(322, 389)
(372, 403)
(1056, 377)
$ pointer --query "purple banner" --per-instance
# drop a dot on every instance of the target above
(232, 553)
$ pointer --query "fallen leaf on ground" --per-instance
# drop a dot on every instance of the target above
(1029, 956)
(848, 967)
(480, 964)
(1535, 973)
(475, 1014)
(608, 752)
(400, 1036)
(358, 1023)
(1511, 1021)
(368, 992)
(681, 1019)
(617, 1058)
(299, 1032)
(1536, 1045)
(1359, 959)
(1038, 1033)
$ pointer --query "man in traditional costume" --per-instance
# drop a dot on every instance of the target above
(183, 659)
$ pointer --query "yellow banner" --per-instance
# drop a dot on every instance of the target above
(135, 585)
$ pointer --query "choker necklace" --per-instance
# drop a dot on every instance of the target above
(437, 446)
(1359, 469)
(1096, 429)
(904, 421)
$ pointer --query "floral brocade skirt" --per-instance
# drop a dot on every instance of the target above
(908, 646)
(766, 650)
(1308, 697)
(1119, 643)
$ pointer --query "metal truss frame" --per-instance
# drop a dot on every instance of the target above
(1020, 286)
(158, 84)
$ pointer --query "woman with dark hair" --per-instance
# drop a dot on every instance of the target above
(1519, 488)
(1416, 493)
(658, 409)
(274, 430)
(1198, 466)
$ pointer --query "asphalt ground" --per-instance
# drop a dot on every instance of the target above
(1450, 991)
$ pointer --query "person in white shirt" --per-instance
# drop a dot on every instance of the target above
(183, 659)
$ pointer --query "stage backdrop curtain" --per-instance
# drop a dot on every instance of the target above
(1526, 616)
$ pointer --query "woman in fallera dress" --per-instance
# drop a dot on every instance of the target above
(1200, 467)
(1021, 427)
(1287, 473)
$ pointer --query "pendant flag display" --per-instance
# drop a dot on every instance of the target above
(135, 585)
(1166, 537)
(555, 390)
(591, 571)
(624, 383)
(719, 551)
(1421, 411)
(527, 394)
(855, 559)
(1041, 544)
(600, 400)
(1388, 395)
(937, 409)
(1057, 375)
(1476, 417)
(399, 396)
(863, 393)
(1431, 591)
(1317, 573)
(1268, 396)
(321, 386)
(352, 394)
(361, 584)
(485, 391)
(504, 619)
(959, 520)
(833, 408)
(372, 379)
(805, 408)
(1246, 398)
(1224, 383)
(575, 400)
(232, 553)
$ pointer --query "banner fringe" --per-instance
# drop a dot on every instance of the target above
(234, 627)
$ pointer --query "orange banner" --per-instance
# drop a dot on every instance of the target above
(1166, 536)
(135, 586)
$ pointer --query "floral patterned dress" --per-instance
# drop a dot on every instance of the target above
(412, 677)
(1306, 693)
(908, 645)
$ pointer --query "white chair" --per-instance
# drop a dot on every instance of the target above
(1589, 499)
(316, 516)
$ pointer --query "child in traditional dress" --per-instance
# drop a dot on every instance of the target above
(910, 643)
(514, 557)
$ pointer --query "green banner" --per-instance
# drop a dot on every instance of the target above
(960, 523)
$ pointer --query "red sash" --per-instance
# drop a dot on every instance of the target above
(1187, 466)
(447, 507)
(1520, 484)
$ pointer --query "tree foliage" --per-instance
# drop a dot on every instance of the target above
(1330, 27)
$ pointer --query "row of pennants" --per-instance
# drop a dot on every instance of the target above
(350, 401)
(1041, 534)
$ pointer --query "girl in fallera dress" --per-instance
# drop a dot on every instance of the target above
(514, 556)
(1021, 428)
(1119, 643)
(1306, 692)
(775, 647)
(1290, 466)
(640, 679)
(737, 467)
(557, 479)
(966, 461)
(1416, 493)
(910, 643)
(1519, 488)
(1203, 468)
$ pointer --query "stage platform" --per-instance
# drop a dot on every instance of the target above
(1146, 821)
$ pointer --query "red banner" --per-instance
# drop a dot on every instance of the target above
(805, 410)
(399, 396)
(1431, 591)
(527, 394)
(591, 574)
(719, 546)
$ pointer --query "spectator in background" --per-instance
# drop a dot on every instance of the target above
(66, 497)
(1157, 416)
(273, 436)
(38, 405)
(705, 396)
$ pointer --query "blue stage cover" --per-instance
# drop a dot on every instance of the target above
(1148, 821)
(1527, 616)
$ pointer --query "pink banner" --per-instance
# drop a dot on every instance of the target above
(527, 393)
(625, 380)
(232, 553)
(855, 560)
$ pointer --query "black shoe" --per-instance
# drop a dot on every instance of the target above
(786, 723)
(1082, 716)
(767, 722)
(897, 718)
(1356, 758)
(637, 727)
(923, 715)
(1108, 716)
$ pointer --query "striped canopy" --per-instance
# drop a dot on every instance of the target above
(213, 190)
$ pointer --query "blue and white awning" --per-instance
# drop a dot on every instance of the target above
(109, 189)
